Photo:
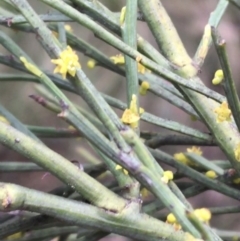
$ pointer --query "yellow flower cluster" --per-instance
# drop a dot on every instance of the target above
(91, 63)
(218, 77)
(203, 214)
(223, 112)
(118, 167)
(183, 159)
(131, 116)
(66, 63)
(167, 176)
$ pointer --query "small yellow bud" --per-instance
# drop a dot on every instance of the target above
(203, 214)
(218, 77)
(91, 63)
(167, 176)
(216, 81)
(144, 87)
(219, 73)
(68, 28)
(211, 174)
(122, 15)
(171, 218)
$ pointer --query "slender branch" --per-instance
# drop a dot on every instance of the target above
(16, 123)
(195, 175)
(60, 167)
(206, 41)
(156, 15)
(111, 39)
(229, 84)
(129, 36)
(128, 224)
(168, 139)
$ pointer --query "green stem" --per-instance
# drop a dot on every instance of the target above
(114, 41)
(206, 41)
(203, 162)
(195, 175)
(16, 123)
(229, 85)
(173, 139)
(204, 106)
(60, 167)
(128, 224)
(129, 36)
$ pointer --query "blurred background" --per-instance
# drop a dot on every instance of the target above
(190, 18)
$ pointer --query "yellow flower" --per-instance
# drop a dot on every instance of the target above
(167, 176)
(195, 150)
(203, 214)
(237, 152)
(223, 112)
(131, 116)
(119, 60)
(144, 87)
(91, 63)
(118, 167)
(30, 67)
(183, 159)
(218, 77)
(211, 174)
(67, 63)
